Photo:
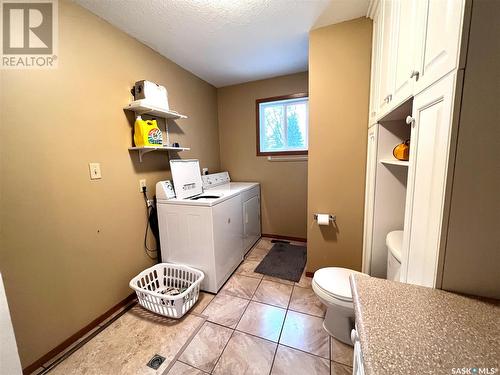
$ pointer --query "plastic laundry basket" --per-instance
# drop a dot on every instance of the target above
(151, 284)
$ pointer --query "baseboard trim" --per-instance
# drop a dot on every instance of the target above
(73, 338)
(280, 237)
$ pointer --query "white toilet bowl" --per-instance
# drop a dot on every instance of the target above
(332, 287)
(394, 242)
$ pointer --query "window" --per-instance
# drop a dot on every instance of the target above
(282, 125)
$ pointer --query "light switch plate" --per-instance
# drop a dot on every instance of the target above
(95, 171)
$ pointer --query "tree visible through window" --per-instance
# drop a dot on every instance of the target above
(282, 125)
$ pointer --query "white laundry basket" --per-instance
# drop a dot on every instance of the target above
(151, 284)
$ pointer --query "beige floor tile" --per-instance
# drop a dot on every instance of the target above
(257, 254)
(180, 368)
(247, 355)
(226, 310)
(241, 286)
(206, 347)
(305, 332)
(129, 343)
(265, 243)
(304, 282)
(305, 300)
(70, 348)
(291, 361)
(117, 313)
(262, 320)
(341, 352)
(203, 300)
(273, 293)
(247, 269)
(338, 369)
(278, 280)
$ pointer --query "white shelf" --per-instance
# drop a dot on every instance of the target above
(140, 108)
(395, 162)
(146, 149)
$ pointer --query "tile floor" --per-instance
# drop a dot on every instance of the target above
(254, 325)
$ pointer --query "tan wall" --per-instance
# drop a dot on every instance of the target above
(283, 184)
(339, 76)
(472, 244)
(69, 246)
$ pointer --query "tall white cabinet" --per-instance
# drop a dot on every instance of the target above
(418, 76)
(429, 154)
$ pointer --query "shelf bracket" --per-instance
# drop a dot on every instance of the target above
(143, 152)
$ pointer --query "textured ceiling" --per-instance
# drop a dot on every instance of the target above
(226, 42)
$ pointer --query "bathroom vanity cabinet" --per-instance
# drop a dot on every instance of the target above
(433, 82)
(357, 361)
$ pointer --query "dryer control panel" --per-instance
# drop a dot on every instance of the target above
(215, 179)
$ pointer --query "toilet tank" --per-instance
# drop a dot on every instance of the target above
(394, 242)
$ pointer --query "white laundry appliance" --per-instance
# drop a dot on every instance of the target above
(250, 203)
(204, 228)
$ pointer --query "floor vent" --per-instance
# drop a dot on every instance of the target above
(156, 361)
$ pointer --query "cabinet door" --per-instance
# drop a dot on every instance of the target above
(371, 168)
(375, 68)
(404, 50)
(386, 76)
(251, 221)
(228, 233)
(440, 25)
(430, 145)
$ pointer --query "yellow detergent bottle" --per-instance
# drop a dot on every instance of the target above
(147, 133)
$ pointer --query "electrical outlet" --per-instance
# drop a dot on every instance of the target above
(142, 183)
(95, 171)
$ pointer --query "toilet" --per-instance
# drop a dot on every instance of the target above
(332, 286)
(394, 242)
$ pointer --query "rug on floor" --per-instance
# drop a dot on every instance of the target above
(284, 261)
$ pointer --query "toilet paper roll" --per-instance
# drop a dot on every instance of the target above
(323, 219)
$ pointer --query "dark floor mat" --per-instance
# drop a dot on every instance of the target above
(284, 261)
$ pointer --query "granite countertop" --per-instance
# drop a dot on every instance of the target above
(409, 329)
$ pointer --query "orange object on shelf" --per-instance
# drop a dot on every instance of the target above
(402, 151)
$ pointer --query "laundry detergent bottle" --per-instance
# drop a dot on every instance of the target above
(147, 133)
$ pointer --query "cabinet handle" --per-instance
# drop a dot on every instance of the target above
(415, 73)
(410, 120)
(354, 336)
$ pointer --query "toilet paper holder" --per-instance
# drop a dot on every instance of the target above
(332, 218)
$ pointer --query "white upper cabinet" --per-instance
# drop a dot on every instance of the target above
(439, 26)
(404, 35)
(375, 76)
(385, 71)
(415, 43)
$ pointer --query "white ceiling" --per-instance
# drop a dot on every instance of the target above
(226, 42)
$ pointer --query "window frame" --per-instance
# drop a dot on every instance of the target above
(257, 121)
